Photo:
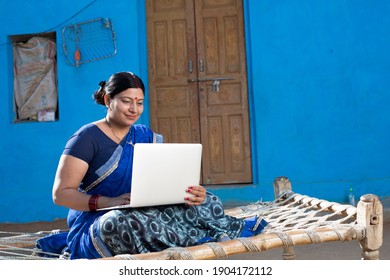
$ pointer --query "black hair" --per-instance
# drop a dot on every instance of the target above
(117, 83)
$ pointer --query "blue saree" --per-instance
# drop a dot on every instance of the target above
(114, 179)
(148, 229)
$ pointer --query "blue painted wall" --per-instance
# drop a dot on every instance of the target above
(30, 151)
(319, 81)
(318, 77)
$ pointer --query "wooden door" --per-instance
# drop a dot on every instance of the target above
(197, 82)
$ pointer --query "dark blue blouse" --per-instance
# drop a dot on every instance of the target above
(93, 146)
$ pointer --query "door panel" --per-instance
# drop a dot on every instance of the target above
(171, 45)
(191, 43)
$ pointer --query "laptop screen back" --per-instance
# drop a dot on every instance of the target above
(163, 172)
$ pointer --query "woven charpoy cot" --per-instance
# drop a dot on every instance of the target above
(294, 219)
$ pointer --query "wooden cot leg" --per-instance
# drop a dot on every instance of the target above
(288, 253)
(282, 184)
(370, 215)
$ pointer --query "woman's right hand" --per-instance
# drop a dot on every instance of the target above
(105, 201)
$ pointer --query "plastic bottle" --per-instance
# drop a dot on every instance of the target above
(351, 197)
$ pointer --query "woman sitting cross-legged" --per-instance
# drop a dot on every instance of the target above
(94, 172)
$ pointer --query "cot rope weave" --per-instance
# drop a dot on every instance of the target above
(314, 237)
(179, 253)
(289, 213)
(249, 245)
(286, 239)
(127, 257)
(360, 232)
(217, 249)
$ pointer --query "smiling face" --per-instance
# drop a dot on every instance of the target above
(126, 107)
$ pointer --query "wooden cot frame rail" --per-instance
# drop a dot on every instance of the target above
(294, 219)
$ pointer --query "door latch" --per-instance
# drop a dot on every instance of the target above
(216, 81)
(216, 85)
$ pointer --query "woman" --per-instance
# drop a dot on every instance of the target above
(95, 172)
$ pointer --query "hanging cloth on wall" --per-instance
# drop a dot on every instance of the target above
(35, 86)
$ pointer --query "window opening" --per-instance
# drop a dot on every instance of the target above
(35, 77)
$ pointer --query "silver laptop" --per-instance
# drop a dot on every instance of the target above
(162, 173)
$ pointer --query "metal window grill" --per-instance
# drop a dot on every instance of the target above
(88, 41)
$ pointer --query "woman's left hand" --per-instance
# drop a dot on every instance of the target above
(198, 195)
